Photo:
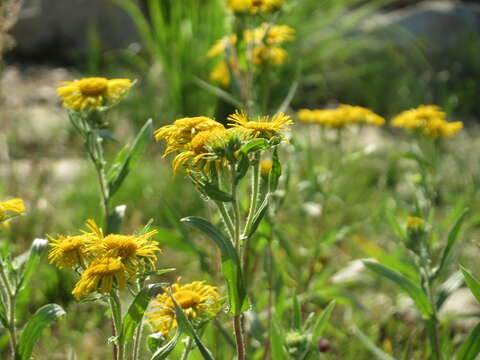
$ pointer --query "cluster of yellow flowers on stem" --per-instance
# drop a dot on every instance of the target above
(343, 116)
(9, 209)
(105, 262)
(262, 49)
(199, 302)
(92, 93)
(200, 140)
(428, 120)
(254, 6)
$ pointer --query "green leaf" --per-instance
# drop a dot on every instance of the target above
(321, 322)
(471, 347)
(128, 157)
(186, 326)
(216, 194)
(242, 167)
(254, 145)
(166, 349)
(374, 349)
(275, 172)
(407, 285)
(452, 240)
(35, 253)
(472, 282)
(231, 269)
(44, 316)
(115, 219)
(278, 351)
(135, 312)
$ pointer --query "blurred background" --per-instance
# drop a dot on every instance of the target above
(388, 56)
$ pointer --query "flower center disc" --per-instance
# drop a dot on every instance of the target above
(93, 86)
(186, 299)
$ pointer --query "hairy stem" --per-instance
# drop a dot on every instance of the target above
(254, 195)
(239, 338)
(118, 346)
(11, 300)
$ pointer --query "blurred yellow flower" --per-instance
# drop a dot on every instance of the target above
(429, 120)
(221, 74)
(265, 167)
(182, 131)
(102, 275)
(270, 34)
(10, 208)
(254, 6)
(221, 45)
(342, 116)
(92, 92)
(199, 302)
(414, 222)
(69, 251)
(268, 55)
(264, 127)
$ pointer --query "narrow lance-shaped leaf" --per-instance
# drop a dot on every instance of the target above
(128, 158)
(471, 347)
(230, 263)
(407, 285)
(186, 326)
(471, 282)
(44, 316)
(135, 312)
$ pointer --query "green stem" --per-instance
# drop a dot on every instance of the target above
(239, 339)
(188, 348)
(115, 306)
(227, 219)
(236, 212)
(255, 191)
(137, 340)
(11, 300)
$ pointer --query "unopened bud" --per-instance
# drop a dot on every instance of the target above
(323, 345)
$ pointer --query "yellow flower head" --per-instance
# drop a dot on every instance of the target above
(222, 45)
(221, 74)
(197, 150)
(198, 301)
(265, 167)
(69, 251)
(268, 55)
(102, 275)
(182, 131)
(254, 6)
(264, 127)
(428, 120)
(415, 223)
(342, 116)
(269, 34)
(11, 208)
(93, 92)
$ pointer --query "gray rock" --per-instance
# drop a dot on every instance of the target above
(438, 24)
(46, 26)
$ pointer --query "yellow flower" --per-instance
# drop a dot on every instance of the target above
(428, 120)
(270, 34)
(414, 223)
(221, 45)
(342, 116)
(11, 208)
(265, 167)
(69, 251)
(359, 115)
(197, 151)
(198, 301)
(221, 74)
(254, 6)
(264, 128)
(102, 275)
(93, 92)
(268, 55)
(182, 131)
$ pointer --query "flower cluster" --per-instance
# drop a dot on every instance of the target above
(201, 141)
(93, 92)
(9, 209)
(343, 116)
(105, 261)
(262, 46)
(428, 120)
(199, 302)
(254, 6)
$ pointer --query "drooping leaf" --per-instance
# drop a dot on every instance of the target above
(231, 269)
(128, 158)
(407, 285)
(42, 318)
(471, 282)
(135, 312)
(163, 352)
(471, 347)
(254, 145)
(186, 327)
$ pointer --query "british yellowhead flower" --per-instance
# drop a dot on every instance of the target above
(199, 302)
(11, 208)
(264, 55)
(222, 45)
(254, 6)
(69, 251)
(415, 223)
(269, 34)
(221, 74)
(343, 116)
(92, 92)
(264, 127)
(428, 120)
(103, 275)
